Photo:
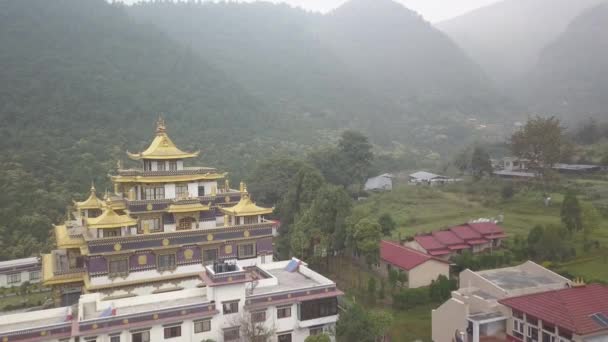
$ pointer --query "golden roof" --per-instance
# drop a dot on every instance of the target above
(110, 219)
(168, 179)
(64, 240)
(187, 208)
(246, 207)
(93, 202)
(162, 147)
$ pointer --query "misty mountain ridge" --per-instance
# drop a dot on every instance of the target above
(507, 38)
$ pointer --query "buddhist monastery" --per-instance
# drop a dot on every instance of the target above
(163, 222)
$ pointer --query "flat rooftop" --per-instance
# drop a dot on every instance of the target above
(514, 278)
(33, 320)
(289, 281)
(92, 311)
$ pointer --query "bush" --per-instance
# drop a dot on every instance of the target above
(410, 298)
(508, 191)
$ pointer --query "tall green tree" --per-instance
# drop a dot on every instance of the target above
(318, 338)
(480, 163)
(364, 237)
(387, 224)
(572, 213)
(357, 324)
(270, 179)
(539, 141)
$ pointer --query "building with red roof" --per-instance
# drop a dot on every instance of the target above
(578, 313)
(475, 237)
(421, 268)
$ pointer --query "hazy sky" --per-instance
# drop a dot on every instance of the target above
(432, 10)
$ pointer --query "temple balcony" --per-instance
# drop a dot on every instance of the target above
(182, 172)
(56, 269)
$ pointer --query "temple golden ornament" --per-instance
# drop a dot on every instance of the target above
(162, 222)
(92, 202)
(162, 147)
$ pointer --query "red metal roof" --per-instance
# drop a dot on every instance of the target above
(403, 257)
(569, 308)
(459, 247)
(477, 242)
(447, 237)
(466, 233)
(428, 242)
(486, 228)
(439, 252)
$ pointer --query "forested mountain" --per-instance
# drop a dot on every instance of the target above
(506, 38)
(366, 58)
(571, 77)
(83, 81)
(80, 82)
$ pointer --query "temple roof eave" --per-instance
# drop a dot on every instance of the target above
(167, 179)
(110, 219)
(187, 208)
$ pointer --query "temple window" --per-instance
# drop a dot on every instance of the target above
(181, 191)
(111, 232)
(201, 190)
(172, 166)
(185, 223)
(154, 192)
(118, 267)
(251, 219)
(142, 336)
(166, 262)
(147, 165)
(210, 255)
(246, 251)
(160, 166)
(150, 225)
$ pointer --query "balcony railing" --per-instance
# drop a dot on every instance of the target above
(183, 172)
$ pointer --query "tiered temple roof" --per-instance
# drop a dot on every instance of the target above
(162, 147)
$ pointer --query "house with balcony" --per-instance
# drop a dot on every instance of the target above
(286, 298)
(156, 231)
(476, 312)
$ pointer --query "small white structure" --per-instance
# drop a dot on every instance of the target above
(423, 177)
(18, 271)
(383, 182)
(285, 297)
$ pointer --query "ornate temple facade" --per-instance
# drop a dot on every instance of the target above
(157, 230)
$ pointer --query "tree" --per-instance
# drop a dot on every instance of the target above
(318, 338)
(365, 237)
(480, 163)
(270, 179)
(387, 224)
(357, 324)
(371, 287)
(540, 142)
(590, 221)
(571, 213)
(251, 330)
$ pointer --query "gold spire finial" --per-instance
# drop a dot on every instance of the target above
(226, 185)
(160, 125)
(119, 164)
(242, 186)
(92, 187)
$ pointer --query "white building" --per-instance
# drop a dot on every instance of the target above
(474, 311)
(18, 271)
(291, 304)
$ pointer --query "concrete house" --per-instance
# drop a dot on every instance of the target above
(421, 268)
(18, 271)
(475, 312)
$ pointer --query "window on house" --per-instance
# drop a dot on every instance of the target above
(284, 337)
(174, 331)
(202, 326)
(315, 331)
(318, 308)
(173, 165)
(181, 191)
(201, 190)
(232, 334)
(91, 339)
(518, 329)
(111, 232)
(166, 262)
(152, 193)
(210, 255)
(246, 251)
(142, 336)
(34, 275)
(14, 278)
(150, 225)
(115, 338)
(548, 337)
(258, 317)
(532, 334)
(284, 311)
(230, 307)
(251, 219)
(119, 267)
(185, 223)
